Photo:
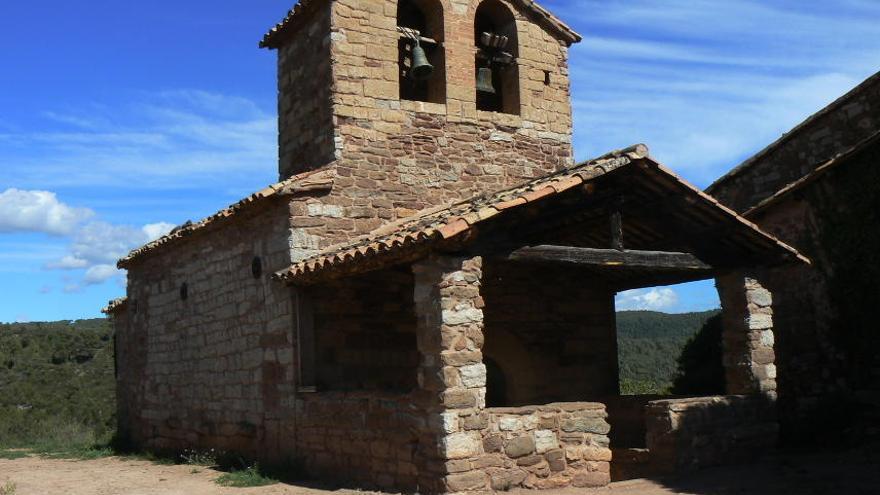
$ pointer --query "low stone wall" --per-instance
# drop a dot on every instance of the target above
(537, 447)
(366, 439)
(689, 434)
(626, 415)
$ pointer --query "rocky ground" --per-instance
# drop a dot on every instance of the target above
(851, 472)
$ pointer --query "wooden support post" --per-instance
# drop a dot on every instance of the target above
(616, 224)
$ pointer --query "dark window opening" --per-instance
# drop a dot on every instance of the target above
(184, 291)
(496, 71)
(257, 267)
(424, 17)
(496, 384)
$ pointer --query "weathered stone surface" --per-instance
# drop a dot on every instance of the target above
(474, 480)
(556, 460)
(586, 425)
(545, 441)
(519, 446)
(460, 445)
(473, 376)
(504, 480)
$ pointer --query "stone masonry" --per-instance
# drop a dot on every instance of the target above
(340, 109)
(379, 378)
(535, 447)
(818, 374)
(748, 335)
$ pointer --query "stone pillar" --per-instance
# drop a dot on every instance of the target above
(747, 317)
(452, 376)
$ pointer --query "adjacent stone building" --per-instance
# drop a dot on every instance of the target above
(425, 301)
(818, 188)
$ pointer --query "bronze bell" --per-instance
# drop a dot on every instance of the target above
(484, 80)
(421, 68)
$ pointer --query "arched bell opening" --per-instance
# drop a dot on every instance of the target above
(496, 70)
(422, 61)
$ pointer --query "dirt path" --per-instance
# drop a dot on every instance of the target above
(850, 473)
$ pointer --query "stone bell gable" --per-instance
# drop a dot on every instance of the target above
(348, 102)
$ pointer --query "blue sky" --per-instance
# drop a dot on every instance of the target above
(118, 119)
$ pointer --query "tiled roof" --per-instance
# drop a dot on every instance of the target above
(115, 305)
(274, 38)
(299, 184)
(407, 238)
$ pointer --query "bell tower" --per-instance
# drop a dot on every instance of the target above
(422, 102)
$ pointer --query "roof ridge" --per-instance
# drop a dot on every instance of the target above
(749, 162)
(451, 219)
(285, 187)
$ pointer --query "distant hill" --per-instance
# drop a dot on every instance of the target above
(650, 344)
(56, 375)
(60, 375)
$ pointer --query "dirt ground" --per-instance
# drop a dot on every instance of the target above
(852, 472)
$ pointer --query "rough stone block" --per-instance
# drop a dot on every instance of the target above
(474, 480)
(461, 445)
(519, 446)
(545, 441)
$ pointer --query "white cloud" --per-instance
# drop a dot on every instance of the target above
(68, 262)
(156, 140)
(98, 245)
(157, 230)
(656, 299)
(705, 83)
(38, 211)
(99, 274)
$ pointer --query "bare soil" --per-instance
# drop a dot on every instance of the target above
(852, 472)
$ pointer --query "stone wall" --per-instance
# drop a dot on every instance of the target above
(551, 331)
(213, 368)
(539, 447)
(689, 434)
(306, 132)
(365, 439)
(365, 329)
(393, 157)
(825, 338)
(836, 128)
(479, 448)
(747, 337)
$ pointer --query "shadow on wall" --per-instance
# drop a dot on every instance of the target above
(700, 365)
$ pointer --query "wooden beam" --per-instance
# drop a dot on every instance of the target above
(660, 260)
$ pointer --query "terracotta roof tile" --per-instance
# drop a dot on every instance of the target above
(449, 221)
(299, 184)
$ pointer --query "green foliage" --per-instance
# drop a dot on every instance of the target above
(649, 344)
(9, 488)
(247, 477)
(58, 387)
(700, 365)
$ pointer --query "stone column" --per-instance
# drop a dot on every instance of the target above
(747, 317)
(452, 377)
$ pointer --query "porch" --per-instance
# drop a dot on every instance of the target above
(474, 347)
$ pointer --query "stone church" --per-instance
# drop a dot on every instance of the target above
(818, 187)
(425, 300)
